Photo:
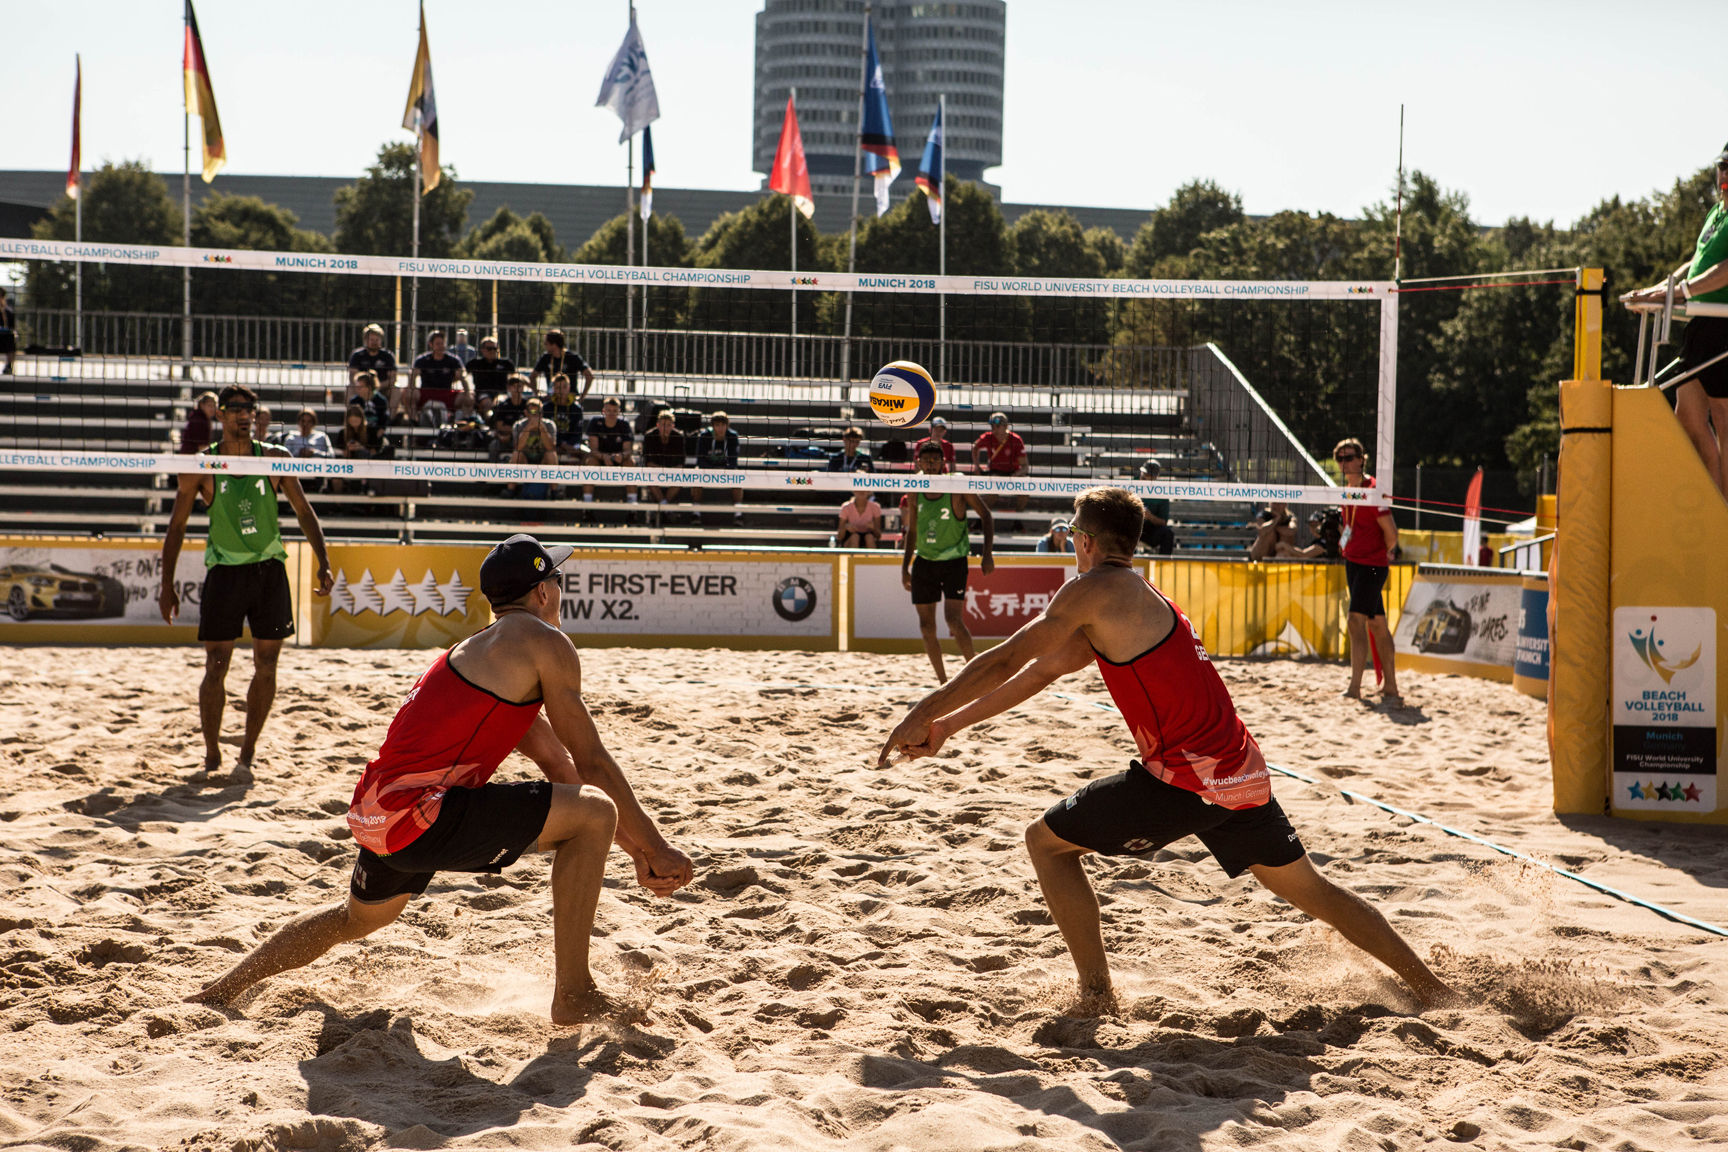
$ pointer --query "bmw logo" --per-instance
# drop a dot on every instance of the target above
(794, 598)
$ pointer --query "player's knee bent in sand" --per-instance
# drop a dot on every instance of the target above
(578, 812)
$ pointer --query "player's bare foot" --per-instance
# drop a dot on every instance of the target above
(216, 992)
(213, 763)
(1352, 694)
(570, 1009)
(1441, 995)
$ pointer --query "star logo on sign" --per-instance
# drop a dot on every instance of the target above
(1635, 791)
(1692, 792)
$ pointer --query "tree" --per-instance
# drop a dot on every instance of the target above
(758, 236)
(1174, 231)
(594, 305)
(124, 203)
(1052, 246)
(248, 223)
(509, 238)
(375, 216)
(1112, 252)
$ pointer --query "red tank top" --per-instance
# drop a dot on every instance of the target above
(1363, 542)
(447, 734)
(1180, 714)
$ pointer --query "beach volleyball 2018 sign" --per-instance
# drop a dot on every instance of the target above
(675, 600)
(1664, 708)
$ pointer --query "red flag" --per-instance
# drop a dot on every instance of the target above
(791, 174)
(72, 173)
(1473, 521)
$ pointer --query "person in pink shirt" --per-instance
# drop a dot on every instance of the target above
(860, 522)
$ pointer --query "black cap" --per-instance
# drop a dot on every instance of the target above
(511, 570)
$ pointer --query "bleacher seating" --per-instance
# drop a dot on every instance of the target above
(121, 409)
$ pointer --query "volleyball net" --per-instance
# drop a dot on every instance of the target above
(1235, 387)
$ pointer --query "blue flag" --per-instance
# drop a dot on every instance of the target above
(876, 134)
(930, 169)
(647, 173)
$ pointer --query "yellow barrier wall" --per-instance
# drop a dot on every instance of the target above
(1669, 586)
(398, 596)
(1425, 546)
(1273, 609)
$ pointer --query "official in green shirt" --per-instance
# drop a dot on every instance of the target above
(245, 580)
(1701, 400)
(933, 565)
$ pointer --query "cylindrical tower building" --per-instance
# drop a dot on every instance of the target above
(927, 49)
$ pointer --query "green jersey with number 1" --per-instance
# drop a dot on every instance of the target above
(243, 528)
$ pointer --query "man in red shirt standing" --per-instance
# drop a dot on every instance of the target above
(1370, 534)
(1000, 452)
(939, 437)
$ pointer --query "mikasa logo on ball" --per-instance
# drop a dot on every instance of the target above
(902, 395)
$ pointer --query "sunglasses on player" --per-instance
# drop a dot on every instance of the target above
(1346, 457)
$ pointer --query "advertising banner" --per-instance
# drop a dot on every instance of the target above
(1530, 663)
(399, 596)
(686, 600)
(884, 620)
(1663, 709)
(94, 592)
(1461, 620)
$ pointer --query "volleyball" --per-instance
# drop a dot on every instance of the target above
(902, 394)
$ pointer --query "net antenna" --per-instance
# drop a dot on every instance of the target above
(1398, 227)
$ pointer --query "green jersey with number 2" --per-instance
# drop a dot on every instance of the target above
(941, 534)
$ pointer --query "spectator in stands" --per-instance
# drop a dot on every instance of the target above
(565, 415)
(536, 443)
(717, 447)
(1274, 534)
(609, 443)
(467, 427)
(373, 357)
(558, 358)
(9, 333)
(939, 436)
(1058, 539)
(359, 441)
(371, 400)
(501, 448)
(489, 373)
(261, 427)
(462, 350)
(850, 458)
(1156, 533)
(433, 380)
(513, 405)
(1369, 535)
(648, 415)
(308, 440)
(663, 448)
(860, 522)
(1001, 453)
(200, 427)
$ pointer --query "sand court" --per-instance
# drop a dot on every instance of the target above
(864, 960)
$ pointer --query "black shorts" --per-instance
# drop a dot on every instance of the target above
(8, 341)
(1134, 813)
(1704, 339)
(1366, 582)
(252, 594)
(932, 580)
(484, 829)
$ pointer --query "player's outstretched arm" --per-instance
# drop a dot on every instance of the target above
(541, 745)
(1051, 632)
(1022, 686)
(660, 867)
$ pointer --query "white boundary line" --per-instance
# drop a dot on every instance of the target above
(243, 260)
(49, 460)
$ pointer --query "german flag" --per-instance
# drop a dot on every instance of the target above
(201, 99)
(421, 115)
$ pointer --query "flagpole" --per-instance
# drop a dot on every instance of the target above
(78, 214)
(185, 231)
(792, 221)
(942, 237)
(1398, 228)
(857, 176)
(630, 249)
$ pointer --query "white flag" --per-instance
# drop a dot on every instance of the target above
(629, 86)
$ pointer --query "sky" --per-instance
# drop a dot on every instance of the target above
(1519, 104)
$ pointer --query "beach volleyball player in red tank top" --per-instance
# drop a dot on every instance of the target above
(427, 804)
(1199, 773)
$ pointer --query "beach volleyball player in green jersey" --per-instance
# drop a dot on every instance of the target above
(245, 582)
(933, 566)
